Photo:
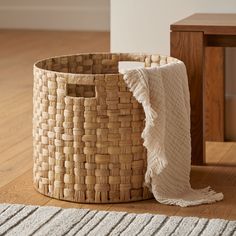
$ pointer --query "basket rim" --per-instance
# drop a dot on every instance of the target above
(36, 66)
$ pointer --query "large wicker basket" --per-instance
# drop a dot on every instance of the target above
(87, 129)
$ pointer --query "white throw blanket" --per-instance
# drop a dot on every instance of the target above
(164, 94)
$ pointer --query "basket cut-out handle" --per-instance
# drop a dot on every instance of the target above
(81, 90)
(81, 86)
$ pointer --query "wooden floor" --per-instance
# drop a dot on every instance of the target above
(18, 51)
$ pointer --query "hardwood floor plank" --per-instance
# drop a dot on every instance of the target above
(15, 129)
(65, 204)
(15, 166)
(16, 148)
(21, 191)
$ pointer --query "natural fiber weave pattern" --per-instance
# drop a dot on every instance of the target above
(87, 129)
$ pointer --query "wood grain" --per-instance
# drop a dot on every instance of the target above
(214, 73)
(20, 49)
(188, 47)
(208, 23)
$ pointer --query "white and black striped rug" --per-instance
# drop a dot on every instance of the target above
(22, 220)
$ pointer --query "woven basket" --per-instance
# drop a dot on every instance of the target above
(87, 129)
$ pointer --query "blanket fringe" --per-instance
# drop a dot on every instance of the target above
(196, 197)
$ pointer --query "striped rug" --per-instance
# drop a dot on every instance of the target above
(22, 220)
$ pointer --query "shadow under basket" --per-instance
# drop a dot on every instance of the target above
(87, 129)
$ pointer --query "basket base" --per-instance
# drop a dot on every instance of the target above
(149, 196)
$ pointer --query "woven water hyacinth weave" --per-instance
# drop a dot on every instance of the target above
(87, 129)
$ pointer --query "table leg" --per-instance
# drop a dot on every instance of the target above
(189, 47)
(214, 93)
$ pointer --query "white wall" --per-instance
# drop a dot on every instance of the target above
(144, 26)
(55, 14)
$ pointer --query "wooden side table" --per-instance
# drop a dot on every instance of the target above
(199, 41)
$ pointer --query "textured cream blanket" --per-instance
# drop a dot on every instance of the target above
(164, 94)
